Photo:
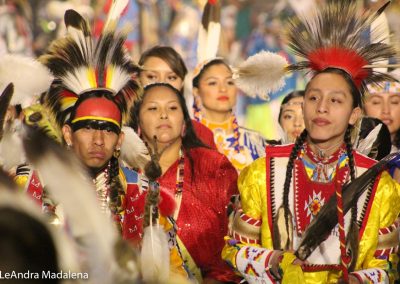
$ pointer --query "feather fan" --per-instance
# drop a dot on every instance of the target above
(321, 226)
(261, 74)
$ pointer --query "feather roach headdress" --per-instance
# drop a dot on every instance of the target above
(82, 65)
(334, 38)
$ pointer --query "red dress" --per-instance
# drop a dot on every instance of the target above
(202, 220)
(204, 134)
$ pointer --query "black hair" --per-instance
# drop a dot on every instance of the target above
(190, 139)
(217, 61)
(288, 98)
(169, 55)
(396, 141)
(26, 245)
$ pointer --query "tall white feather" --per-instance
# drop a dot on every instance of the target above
(117, 7)
(65, 179)
(30, 78)
(365, 145)
(154, 255)
(133, 150)
(208, 41)
(261, 74)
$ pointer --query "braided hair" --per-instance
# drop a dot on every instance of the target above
(289, 172)
(117, 192)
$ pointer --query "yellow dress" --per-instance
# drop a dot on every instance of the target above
(249, 246)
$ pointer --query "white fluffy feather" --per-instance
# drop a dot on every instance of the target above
(365, 145)
(155, 255)
(133, 150)
(30, 78)
(11, 150)
(261, 74)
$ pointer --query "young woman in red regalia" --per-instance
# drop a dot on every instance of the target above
(201, 179)
(298, 223)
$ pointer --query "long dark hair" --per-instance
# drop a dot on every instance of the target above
(302, 138)
(170, 56)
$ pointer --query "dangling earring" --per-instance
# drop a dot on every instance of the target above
(183, 132)
(69, 146)
(117, 153)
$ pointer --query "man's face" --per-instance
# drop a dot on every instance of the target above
(94, 147)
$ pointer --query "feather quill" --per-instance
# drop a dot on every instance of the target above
(133, 150)
(261, 74)
(77, 195)
(30, 78)
(321, 226)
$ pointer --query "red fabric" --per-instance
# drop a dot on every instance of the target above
(204, 134)
(337, 57)
(202, 220)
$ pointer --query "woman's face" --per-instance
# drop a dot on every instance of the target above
(157, 70)
(217, 89)
(328, 109)
(292, 119)
(386, 107)
(161, 115)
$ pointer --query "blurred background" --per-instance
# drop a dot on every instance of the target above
(249, 26)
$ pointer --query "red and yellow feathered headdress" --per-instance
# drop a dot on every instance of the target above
(82, 65)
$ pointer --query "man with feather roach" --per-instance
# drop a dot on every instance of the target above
(90, 99)
(318, 211)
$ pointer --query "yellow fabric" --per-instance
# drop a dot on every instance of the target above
(292, 273)
(384, 211)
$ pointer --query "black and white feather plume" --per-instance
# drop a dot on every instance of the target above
(334, 38)
(209, 32)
